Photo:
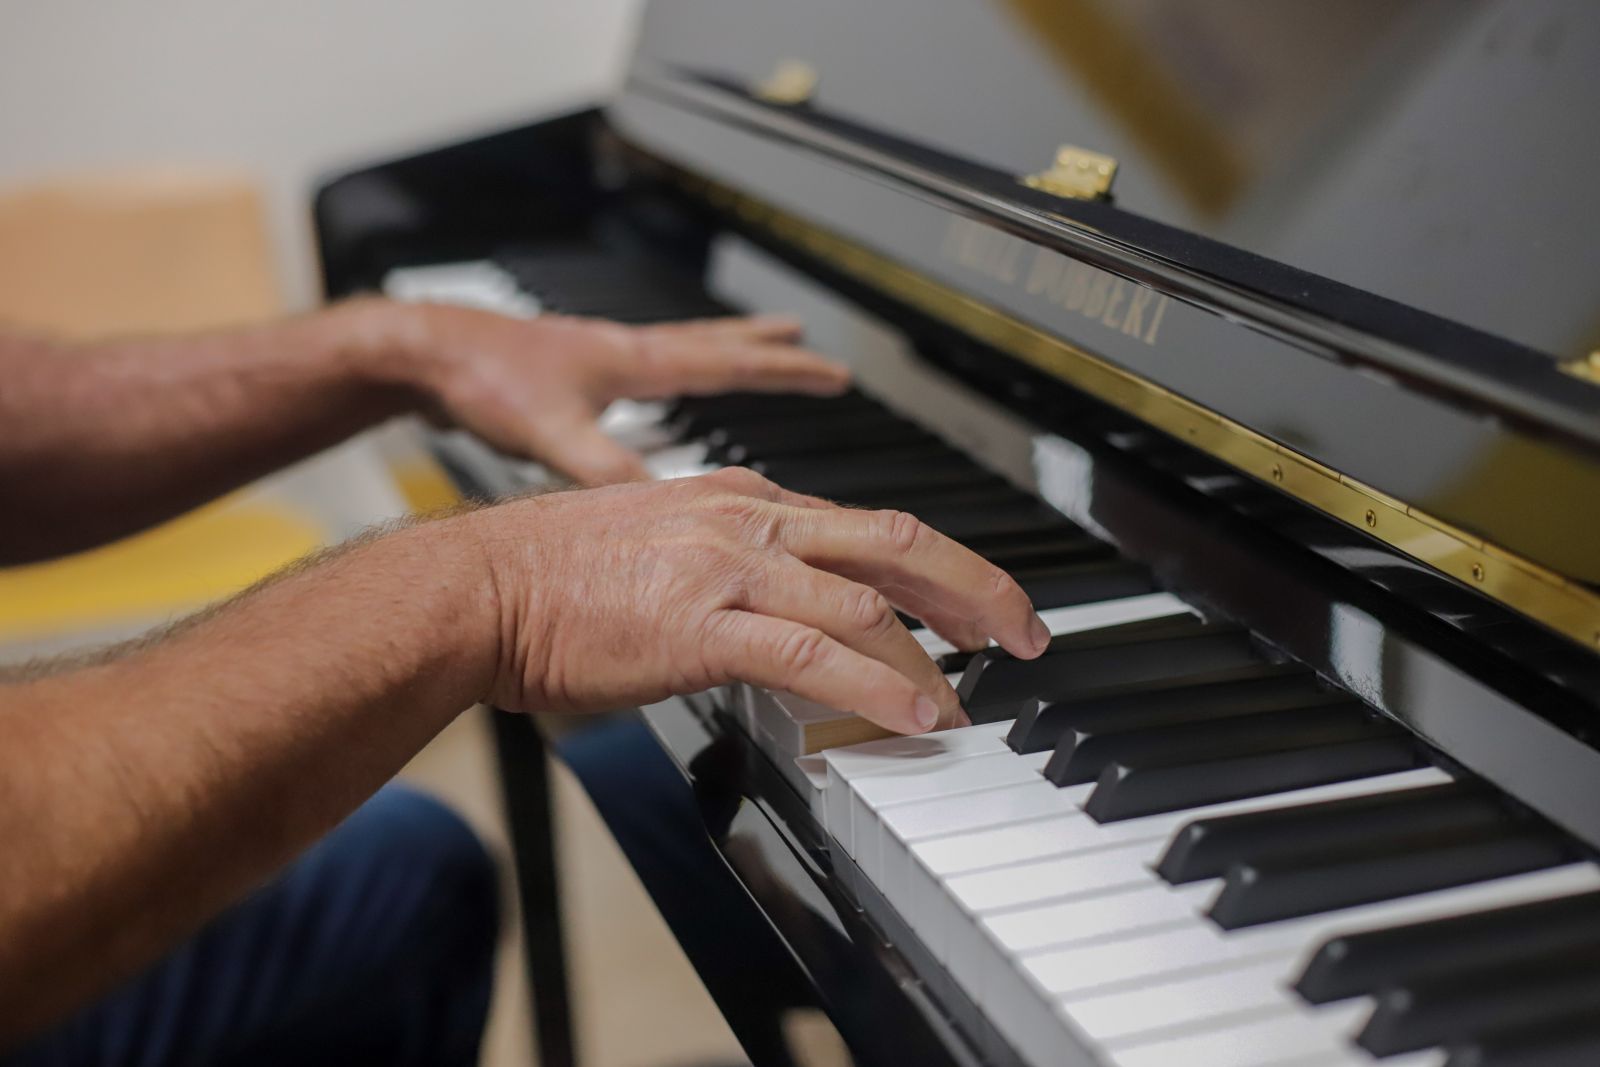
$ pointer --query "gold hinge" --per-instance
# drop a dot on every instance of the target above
(1077, 173)
(792, 82)
(1588, 369)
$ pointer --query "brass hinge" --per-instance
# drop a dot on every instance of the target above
(1588, 369)
(1077, 173)
(791, 82)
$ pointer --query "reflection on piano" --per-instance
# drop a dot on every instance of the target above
(1307, 775)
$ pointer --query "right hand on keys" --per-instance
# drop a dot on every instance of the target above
(623, 596)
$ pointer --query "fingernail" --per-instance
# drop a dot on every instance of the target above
(926, 713)
(1040, 634)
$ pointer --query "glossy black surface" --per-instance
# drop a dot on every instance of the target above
(1436, 153)
(1265, 344)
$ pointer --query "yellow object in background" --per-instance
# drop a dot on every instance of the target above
(207, 554)
(139, 252)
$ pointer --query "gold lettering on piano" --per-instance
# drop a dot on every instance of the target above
(1117, 304)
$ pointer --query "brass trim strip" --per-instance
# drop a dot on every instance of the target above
(1566, 607)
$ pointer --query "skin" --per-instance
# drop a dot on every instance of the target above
(145, 789)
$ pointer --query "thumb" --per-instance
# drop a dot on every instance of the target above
(585, 454)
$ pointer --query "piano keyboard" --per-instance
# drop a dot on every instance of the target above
(1157, 842)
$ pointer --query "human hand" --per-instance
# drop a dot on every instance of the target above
(537, 387)
(623, 596)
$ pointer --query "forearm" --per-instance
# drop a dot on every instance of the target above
(141, 796)
(100, 440)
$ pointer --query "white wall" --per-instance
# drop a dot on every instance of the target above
(285, 89)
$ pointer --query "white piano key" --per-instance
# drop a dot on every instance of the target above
(1075, 618)
(893, 754)
(1196, 999)
(678, 461)
(901, 825)
(937, 778)
(1040, 880)
(1191, 948)
(1101, 915)
(1282, 1039)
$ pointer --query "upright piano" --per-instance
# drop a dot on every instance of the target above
(1261, 343)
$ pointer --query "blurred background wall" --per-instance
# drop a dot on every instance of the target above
(285, 89)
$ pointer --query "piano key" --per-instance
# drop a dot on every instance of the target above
(1201, 697)
(1283, 1039)
(1269, 889)
(1080, 758)
(1127, 961)
(1077, 618)
(901, 825)
(1450, 1007)
(834, 480)
(954, 881)
(1194, 1000)
(985, 527)
(1206, 848)
(999, 685)
(999, 888)
(970, 774)
(1063, 546)
(1570, 1042)
(1079, 582)
(891, 754)
(1362, 963)
(1132, 788)
(749, 445)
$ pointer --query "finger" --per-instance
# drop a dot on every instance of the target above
(961, 632)
(683, 364)
(887, 549)
(752, 327)
(782, 654)
(583, 452)
(858, 617)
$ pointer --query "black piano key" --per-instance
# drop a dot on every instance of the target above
(1272, 888)
(1084, 583)
(1450, 1008)
(1133, 788)
(871, 476)
(984, 527)
(1571, 1041)
(1357, 964)
(997, 682)
(1206, 848)
(1048, 549)
(747, 445)
(1081, 758)
(1199, 697)
(808, 474)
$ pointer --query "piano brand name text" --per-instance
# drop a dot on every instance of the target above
(1116, 304)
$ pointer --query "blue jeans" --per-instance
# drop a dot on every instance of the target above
(652, 813)
(376, 946)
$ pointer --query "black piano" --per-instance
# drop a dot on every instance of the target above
(1261, 342)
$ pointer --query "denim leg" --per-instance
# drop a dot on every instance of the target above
(377, 945)
(652, 813)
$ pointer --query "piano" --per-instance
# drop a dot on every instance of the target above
(1261, 343)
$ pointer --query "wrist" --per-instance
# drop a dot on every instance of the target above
(452, 599)
(387, 344)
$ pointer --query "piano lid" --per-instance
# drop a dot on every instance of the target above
(1346, 241)
(1435, 152)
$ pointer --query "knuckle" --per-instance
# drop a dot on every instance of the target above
(800, 651)
(869, 611)
(742, 480)
(902, 530)
(1002, 584)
